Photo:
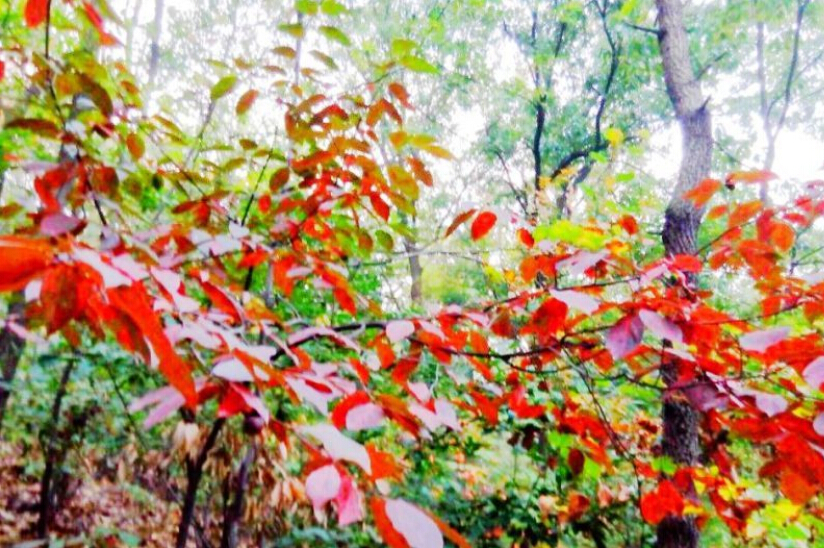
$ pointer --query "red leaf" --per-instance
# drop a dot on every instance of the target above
(663, 502)
(379, 205)
(345, 405)
(2, 70)
(526, 238)
(686, 263)
(21, 259)
(265, 203)
(625, 336)
(106, 39)
(252, 259)
(345, 301)
(702, 192)
(221, 300)
(522, 408)
(59, 297)
(36, 12)
(482, 224)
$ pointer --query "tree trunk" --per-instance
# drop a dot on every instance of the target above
(154, 51)
(682, 219)
(416, 272)
(46, 506)
(11, 348)
(194, 473)
(234, 512)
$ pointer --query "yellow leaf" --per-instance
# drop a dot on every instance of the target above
(614, 135)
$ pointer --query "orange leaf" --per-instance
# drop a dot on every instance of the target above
(758, 176)
(482, 224)
(454, 536)
(400, 93)
(134, 302)
(744, 212)
(245, 102)
(459, 220)
(21, 259)
(36, 12)
(782, 236)
(702, 192)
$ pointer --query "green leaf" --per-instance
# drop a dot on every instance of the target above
(330, 7)
(223, 87)
(325, 59)
(385, 240)
(295, 29)
(571, 233)
(402, 46)
(334, 33)
(306, 7)
(418, 64)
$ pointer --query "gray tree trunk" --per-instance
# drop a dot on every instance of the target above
(681, 221)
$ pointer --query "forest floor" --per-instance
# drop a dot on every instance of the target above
(93, 511)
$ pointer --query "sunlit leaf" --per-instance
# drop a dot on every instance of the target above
(223, 87)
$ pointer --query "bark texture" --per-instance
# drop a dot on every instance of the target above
(681, 222)
(11, 348)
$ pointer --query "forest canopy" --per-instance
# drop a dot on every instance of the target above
(411, 273)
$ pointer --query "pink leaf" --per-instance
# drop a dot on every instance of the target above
(414, 525)
(759, 341)
(322, 486)
(57, 224)
(814, 373)
(299, 337)
(112, 277)
(818, 424)
(661, 326)
(339, 446)
(582, 261)
(399, 330)
(577, 300)
(625, 336)
(252, 401)
(348, 501)
(364, 417)
(705, 396)
(771, 404)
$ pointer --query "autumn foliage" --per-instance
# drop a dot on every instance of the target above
(206, 298)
